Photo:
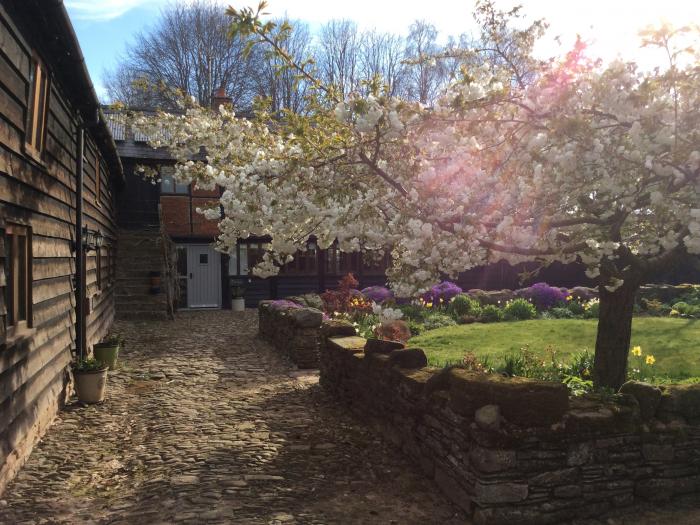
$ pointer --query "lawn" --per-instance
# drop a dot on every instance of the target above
(675, 343)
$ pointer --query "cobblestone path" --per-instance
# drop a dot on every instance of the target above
(202, 424)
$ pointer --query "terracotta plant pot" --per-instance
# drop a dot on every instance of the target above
(106, 353)
(238, 304)
(90, 385)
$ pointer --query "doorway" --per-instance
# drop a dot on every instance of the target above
(203, 276)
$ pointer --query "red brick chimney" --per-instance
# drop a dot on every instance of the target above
(218, 98)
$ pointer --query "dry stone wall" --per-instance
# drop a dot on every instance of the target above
(520, 451)
(295, 332)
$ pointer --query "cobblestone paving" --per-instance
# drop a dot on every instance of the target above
(203, 424)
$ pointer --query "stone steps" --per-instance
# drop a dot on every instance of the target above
(140, 254)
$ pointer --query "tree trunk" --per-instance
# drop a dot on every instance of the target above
(614, 334)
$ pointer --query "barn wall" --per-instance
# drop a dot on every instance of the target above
(40, 194)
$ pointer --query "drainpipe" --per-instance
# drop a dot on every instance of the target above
(80, 270)
(80, 281)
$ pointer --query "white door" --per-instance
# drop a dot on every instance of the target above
(203, 276)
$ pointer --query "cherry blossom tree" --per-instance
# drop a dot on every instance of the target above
(582, 161)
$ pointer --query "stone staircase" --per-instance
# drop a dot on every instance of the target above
(139, 253)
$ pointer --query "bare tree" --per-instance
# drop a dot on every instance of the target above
(338, 55)
(188, 51)
(426, 73)
(381, 56)
(279, 85)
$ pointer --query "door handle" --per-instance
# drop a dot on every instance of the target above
(190, 275)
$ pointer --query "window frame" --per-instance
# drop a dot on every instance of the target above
(174, 184)
(18, 323)
(35, 130)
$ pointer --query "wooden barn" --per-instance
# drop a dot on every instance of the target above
(58, 172)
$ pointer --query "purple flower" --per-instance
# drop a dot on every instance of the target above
(446, 290)
(543, 296)
(284, 304)
(378, 294)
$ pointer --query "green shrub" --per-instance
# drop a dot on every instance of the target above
(491, 314)
(561, 313)
(575, 308)
(438, 320)
(463, 305)
(685, 309)
(413, 311)
(581, 365)
(365, 325)
(416, 327)
(591, 309)
(519, 309)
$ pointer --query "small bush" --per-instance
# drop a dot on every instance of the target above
(576, 308)
(463, 305)
(438, 320)
(591, 309)
(561, 313)
(415, 327)
(475, 364)
(581, 365)
(543, 296)
(655, 307)
(415, 312)
(491, 314)
(519, 309)
(442, 293)
(685, 309)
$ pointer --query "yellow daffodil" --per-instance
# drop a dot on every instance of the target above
(428, 305)
(637, 350)
(650, 360)
(569, 297)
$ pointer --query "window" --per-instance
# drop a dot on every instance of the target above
(203, 258)
(36, 114)
(18, 264)
(168, 185)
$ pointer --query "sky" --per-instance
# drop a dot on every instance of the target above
(106, 27)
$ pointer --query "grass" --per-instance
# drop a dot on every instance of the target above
(675, 343)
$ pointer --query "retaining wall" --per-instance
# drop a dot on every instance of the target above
(517, 450)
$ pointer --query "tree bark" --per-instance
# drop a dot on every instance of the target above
(614, 334)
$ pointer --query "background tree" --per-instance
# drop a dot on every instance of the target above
(338, 54)
(382, 57)
(425, 70)
(276, 82)
(188, 51)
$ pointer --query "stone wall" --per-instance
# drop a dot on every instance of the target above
(295, 332)
(519, 450)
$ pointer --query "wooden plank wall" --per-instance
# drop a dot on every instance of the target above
(34, 374)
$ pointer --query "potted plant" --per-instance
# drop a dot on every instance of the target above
(90, 380)
(108, 350)
(237, 299)
(237, 287)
